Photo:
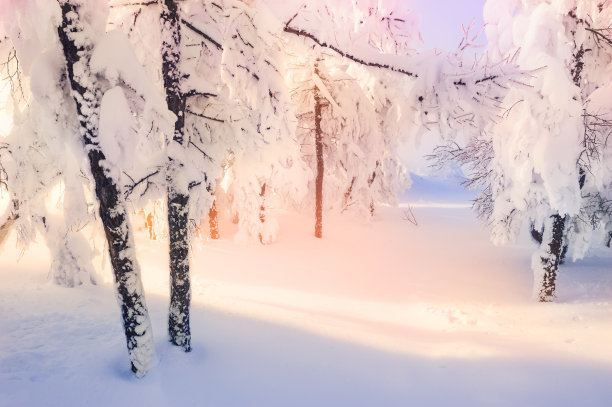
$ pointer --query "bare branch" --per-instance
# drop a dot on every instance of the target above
(202, 34)
(602, 34)
(137, 4)
(205, 117)
(200, 150)
(408, 215)
(130, 188)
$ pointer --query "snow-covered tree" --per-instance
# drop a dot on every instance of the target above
(238, 119)
(543, 163)
(77, 34)
(410, 93)
(36, 156)
(341, 131)
(266, 167)
(62, 136)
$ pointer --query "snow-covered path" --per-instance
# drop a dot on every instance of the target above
(384, 314)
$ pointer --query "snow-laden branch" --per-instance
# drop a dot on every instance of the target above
(321, 43)
(136, 4)
(194, 92)
(205, 117)
(202, 34)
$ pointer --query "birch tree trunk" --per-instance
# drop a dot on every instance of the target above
(86, 94)
(178, 195)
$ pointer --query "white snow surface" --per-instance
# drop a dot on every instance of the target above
(116, 133)
(379, 314)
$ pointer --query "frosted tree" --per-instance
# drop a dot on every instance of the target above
(410, 93)
(239, 138)
(544, 160)
(76, 36)
(344, 140)
(34, 160)
(266, 169)
(66, 135)
(337, 115)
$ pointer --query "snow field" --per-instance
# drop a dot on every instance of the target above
(384, 313)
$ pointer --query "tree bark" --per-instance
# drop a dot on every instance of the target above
(178, 196)
(320, 164)
(536, 235)
(13, 215)
(112, 209)
(213, 221)
(262, 212)
(545, 262)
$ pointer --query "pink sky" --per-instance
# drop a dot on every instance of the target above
(442, 19)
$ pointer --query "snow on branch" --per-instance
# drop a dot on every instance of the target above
(321, 86)
(597, 132)
(202, 34)
(205, 117)
(13, 73)
(475, 157)
(194, 92)
(321, 43)
(136, 4)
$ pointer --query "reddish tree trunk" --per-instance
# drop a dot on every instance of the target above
(320, 164)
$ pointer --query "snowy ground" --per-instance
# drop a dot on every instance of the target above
(380, 314)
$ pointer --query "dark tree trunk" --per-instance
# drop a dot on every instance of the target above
(112, 209)
(548, 258)
(536, 235)
(180, 286)
(609, 239)
(320, 164)
(178, 197)
(563, 250)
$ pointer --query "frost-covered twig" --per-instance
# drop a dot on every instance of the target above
(200, 150)
(601, 34)
(597, 131)
(130, 188)
(136, 4)
(202, 34)
(408, 215)
(204, 116)
(13, 73)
